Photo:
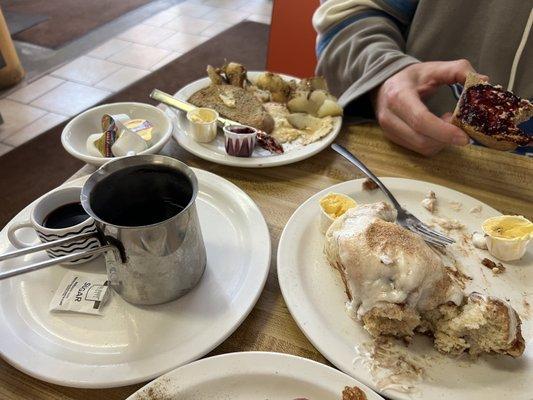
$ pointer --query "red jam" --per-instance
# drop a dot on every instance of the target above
(491, 110)
(241, 129)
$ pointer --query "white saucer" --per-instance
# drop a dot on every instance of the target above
(131, 344)
(252, 376)
(315, 297)
(215, 151)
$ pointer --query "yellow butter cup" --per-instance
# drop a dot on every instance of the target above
(508, 236)
(332, 206)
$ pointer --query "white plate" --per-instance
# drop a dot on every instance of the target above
(215, 150)
(252, 376)
(315, 296)
(77, 131)
(132, 344)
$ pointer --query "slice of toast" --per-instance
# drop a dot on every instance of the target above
(490, 114)
(234, 103)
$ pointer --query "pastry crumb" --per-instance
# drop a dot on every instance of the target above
(430, 202)
(479, 240)
(476, 209)
(353, 393)
(495, 268)
(448, 224)
(456, 206)
(369, 184)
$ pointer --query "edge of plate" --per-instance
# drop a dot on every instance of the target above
(234, 357)
(235, 161)
(290, 306)
(126, 382)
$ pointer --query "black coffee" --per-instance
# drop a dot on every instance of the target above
(65, 216)
(141, 195)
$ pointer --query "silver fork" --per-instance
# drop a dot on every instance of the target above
(405, 218)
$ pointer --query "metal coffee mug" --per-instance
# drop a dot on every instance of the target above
(148, 264)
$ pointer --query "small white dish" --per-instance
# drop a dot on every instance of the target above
(203, 124)
(506, 249)
(240, 140)
(315, 296)
(252, 376)
(77, 131)
(130, 344)
(326, 219)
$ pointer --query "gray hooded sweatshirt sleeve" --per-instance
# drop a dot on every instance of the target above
(361, 43)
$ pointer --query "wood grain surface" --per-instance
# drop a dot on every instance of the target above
(502, 180)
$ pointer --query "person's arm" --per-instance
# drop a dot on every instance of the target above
(361, 54)
(360, 44)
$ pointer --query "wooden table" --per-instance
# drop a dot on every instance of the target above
(502, 180)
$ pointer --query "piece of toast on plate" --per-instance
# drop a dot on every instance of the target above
(235, 103)
(490, 114)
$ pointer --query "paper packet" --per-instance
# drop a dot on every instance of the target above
(81, 292)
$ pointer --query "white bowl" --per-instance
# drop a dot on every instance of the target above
(76, 132)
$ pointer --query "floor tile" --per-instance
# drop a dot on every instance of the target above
(70, 98)
(259, 18)
(227, 4)
(190, 9)
(182, 42)
(165, 61)
(215, 29)
(86, 70)
(16, 116)
(190, 25)
(122, 78)
(226, 16)
(4, 148)
(262, 8)
(34, 129)
(109, 48)
(35, 89)
(140, 56)
(146, 34)
(160, 18)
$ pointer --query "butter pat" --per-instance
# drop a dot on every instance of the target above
(203, 124)
(332, 206)
(507, 236)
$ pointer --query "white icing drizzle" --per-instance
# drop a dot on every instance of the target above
(392, 272)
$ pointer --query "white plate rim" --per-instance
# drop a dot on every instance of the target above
(261, 267)
(325, 344)
(246, 361)
(255, 162)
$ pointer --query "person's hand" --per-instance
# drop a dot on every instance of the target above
(403, 116)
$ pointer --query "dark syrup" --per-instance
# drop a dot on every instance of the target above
(141, 195)
(65, 216)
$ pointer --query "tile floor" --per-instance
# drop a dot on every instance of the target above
(32, 108)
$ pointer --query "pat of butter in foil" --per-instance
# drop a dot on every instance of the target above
(141, 127)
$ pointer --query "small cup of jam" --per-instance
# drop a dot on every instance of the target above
(240, 140)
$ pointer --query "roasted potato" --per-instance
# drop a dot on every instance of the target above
(215, 75)
(235, 74)
(276, 85)
(329, 108)
(303, 121)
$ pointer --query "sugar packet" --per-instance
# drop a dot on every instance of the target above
(81, 292)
